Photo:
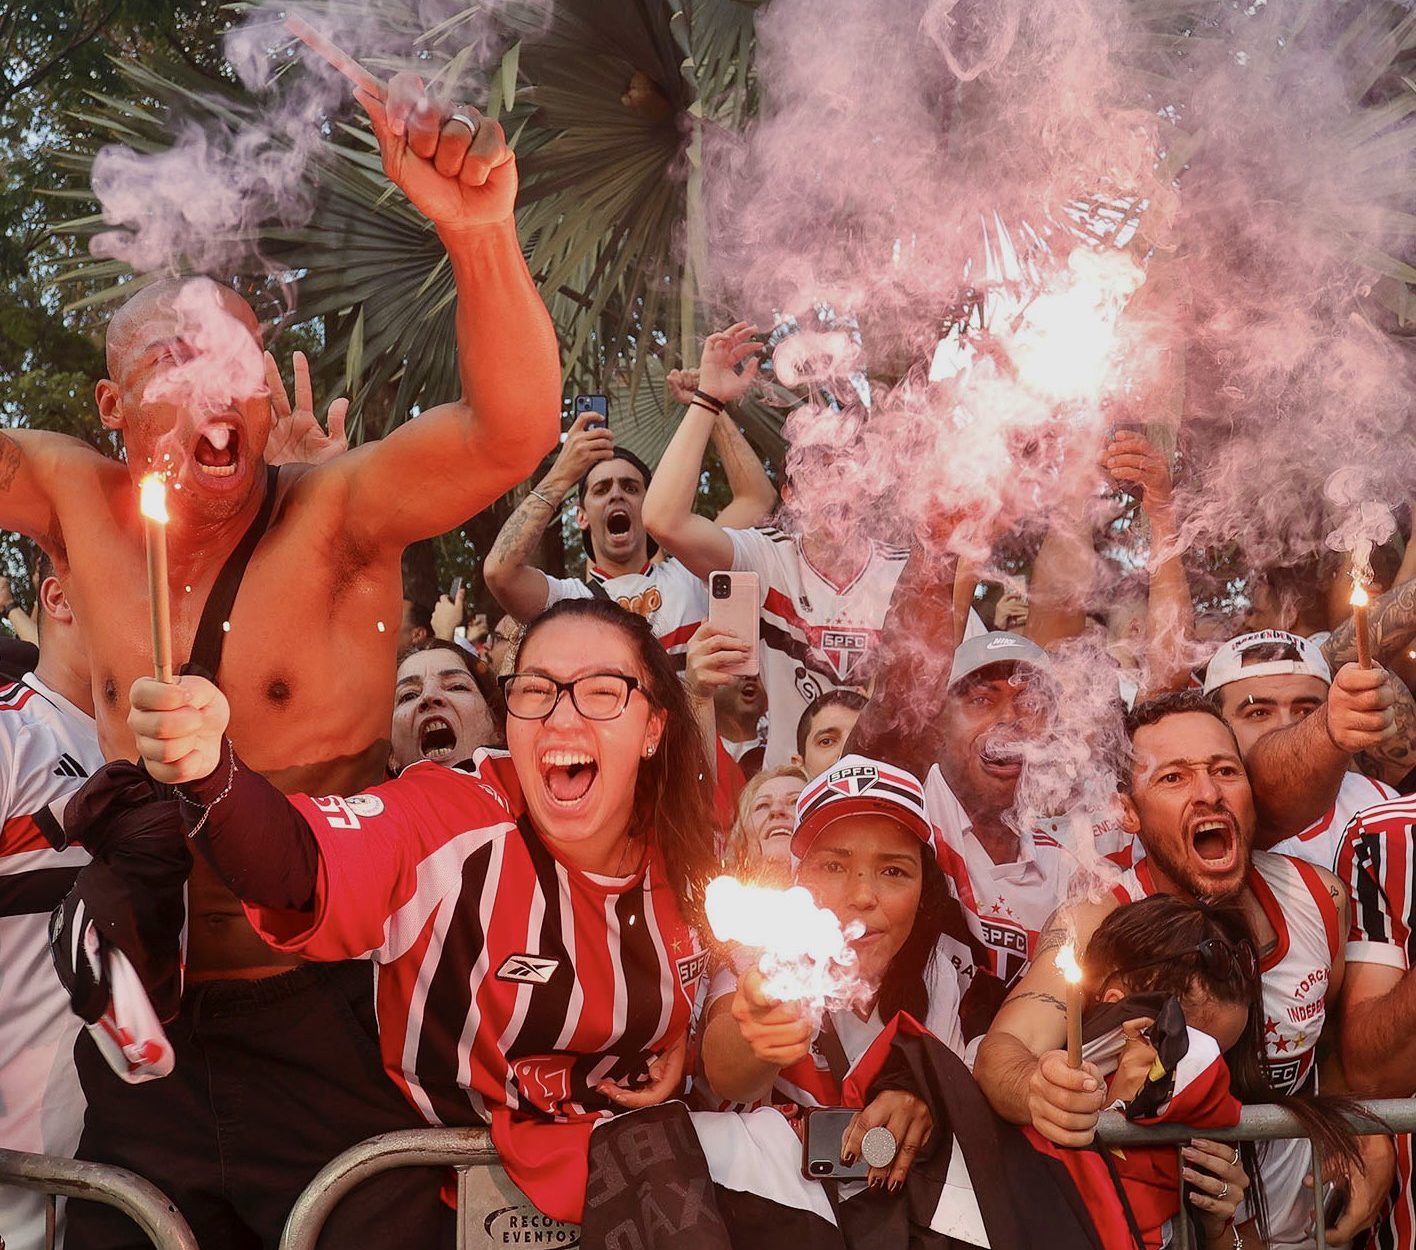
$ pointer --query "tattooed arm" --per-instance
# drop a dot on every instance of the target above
(1021, 1066)
(33, 466)
(521, 588)
(1392, 622)
(1394, 759)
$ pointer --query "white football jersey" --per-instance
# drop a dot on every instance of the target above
(1006, 905)
(671, 598)
(816, 635)
(47, 748)
(1320, 842)
(1295, 975)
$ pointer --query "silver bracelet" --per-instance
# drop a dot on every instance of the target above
(206, 808)
(552, 506)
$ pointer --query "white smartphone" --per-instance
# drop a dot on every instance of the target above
(733, 605)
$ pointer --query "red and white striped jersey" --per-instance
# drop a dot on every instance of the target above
(1376, 862)
(1320, 842)
(1007, 905)
(1295, 975)
(672, 599)
(508, 984)
(47, 748)
(816, 634)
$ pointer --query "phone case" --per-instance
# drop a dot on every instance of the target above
(738, 614)
(598, 404)
(821, 1146)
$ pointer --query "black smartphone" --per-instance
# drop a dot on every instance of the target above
(599, 405)
(821, 1146)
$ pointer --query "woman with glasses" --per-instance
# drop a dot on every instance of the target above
(1175, 1023)
(533, 917)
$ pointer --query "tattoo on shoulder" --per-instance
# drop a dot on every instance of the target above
(1051, 939)
(1050, 1000)
(10, 457)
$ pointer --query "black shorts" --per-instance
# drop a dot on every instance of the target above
(273, 1078)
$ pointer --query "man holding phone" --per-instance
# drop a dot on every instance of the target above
(611, 483)
(823, 595)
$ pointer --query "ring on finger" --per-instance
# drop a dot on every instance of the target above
(1234, 1162)
(1223, 1191)
(466, 121)
(878, 1147)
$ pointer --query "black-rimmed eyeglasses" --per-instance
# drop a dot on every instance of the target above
(596, 696)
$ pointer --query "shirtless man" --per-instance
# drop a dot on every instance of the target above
(309, 647)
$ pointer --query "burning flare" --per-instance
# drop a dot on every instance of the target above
(806, 954)
(152, 498)
(1072, 973)
(1067, 964)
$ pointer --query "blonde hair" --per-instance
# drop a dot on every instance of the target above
(740, 850)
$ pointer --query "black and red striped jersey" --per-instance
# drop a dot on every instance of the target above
(508, 984)
(1321, 841)
(1376, 861)
(48, 747)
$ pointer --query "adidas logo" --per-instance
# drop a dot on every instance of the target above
(69, 767)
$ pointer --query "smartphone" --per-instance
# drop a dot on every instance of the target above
(821, 1146)
(1334, 1205)
(456, 586)
(599, 405)
(733, 605)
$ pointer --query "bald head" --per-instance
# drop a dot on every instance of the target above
(155, 312)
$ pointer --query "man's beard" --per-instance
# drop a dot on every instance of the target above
(1182, 874)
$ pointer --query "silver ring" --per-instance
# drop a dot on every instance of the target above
(1223, 1191)
(878, 1147)
(1234, 1162)
(466, 121)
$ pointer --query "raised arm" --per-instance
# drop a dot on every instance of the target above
(1392, 621)
(36, 466)
(700, 543)
(516, 584)
(1170, 614)
(753, 495)
(446, 465)
(1296, 772)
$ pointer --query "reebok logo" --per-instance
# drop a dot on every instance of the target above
(528, 969)
(69, 767)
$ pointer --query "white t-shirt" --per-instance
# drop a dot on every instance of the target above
(1320, 842)
(1006, 905)
(672, 599)
(816, 635)
(47, 749)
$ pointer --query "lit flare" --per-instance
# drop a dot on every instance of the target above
(1071, 972)
(152, 503)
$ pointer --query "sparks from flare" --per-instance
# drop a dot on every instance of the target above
(1071, 972)
(806, 955)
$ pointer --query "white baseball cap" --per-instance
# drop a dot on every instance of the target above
(1228, 664)
(995, 647)
(855, 785)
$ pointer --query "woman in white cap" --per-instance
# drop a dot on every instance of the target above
(863, 847)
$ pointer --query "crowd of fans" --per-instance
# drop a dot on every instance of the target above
(515, 819)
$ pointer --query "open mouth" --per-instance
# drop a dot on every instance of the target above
(776, 831)
(437, 740)
(1214, 842)
(217, 450)
(618, 523)
(1001, 759)
(749, 690)
(568, 775)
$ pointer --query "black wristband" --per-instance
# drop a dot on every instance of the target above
(711, 402)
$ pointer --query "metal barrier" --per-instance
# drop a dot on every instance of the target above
(1261, 1123)
(468, 1149)
(142, 1201)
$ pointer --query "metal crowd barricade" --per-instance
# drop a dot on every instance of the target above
(142, 1201)
(489, 1206)
(1260, 1123)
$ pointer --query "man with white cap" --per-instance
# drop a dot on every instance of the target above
(1009, 881)
(1298, 730)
